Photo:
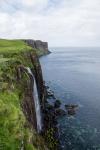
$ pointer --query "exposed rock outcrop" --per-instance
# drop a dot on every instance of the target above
(28, 102)
(37, 44)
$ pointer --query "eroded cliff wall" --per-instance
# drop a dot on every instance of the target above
(37, 44)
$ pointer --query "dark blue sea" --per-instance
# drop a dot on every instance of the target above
(74, 76)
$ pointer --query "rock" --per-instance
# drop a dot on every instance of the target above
(57, 104)
(49, 107)
(46, 86)
(71, 106)
(50, 93)
(60, 112)
(71, 109)
(71, 112)
(41, 45)
(39, 79)
(37, 44)
(28, 104)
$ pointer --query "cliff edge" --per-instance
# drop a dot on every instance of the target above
(40, 46)
(21, 87)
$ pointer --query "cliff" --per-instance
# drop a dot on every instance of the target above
(40, 46)
(27, 121)
(18, 119)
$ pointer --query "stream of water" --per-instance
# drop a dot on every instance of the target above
(74, 75)
(36, 101)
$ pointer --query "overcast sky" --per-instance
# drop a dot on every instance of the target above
(60, 22)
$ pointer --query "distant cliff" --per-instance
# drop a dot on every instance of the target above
(39, 45)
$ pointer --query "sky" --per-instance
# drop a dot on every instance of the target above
(59, 22)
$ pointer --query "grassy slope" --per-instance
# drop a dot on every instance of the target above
(12, 120)
(17, 46)
(13, 46)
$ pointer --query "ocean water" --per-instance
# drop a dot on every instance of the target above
(74, 75)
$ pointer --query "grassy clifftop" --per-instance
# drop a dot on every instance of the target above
(13, 46)
(15, 132)
(17, 46)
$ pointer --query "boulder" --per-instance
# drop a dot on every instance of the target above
(60, 112)
(71, 109)
(57, 104)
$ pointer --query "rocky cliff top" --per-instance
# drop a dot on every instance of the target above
(37, 44)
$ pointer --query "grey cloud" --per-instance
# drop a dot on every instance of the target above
(74, 23)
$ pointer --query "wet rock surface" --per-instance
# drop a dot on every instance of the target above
(60, 112)
(71, 109)
(57, 104)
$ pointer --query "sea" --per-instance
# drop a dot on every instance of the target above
(73, 73)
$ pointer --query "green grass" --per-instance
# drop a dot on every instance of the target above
(2, 60)
(13, 46)
(12, 119)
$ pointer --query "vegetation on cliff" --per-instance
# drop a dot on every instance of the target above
(15, 131)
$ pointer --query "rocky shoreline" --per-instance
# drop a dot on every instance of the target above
(52, 112)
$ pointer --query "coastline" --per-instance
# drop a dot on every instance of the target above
(15, 57)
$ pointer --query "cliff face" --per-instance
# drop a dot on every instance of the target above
(37, 44)
(18, 124)
(28, 103)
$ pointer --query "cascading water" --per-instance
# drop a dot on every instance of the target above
(37, 102)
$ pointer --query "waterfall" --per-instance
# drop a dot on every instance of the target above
(37, 102)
